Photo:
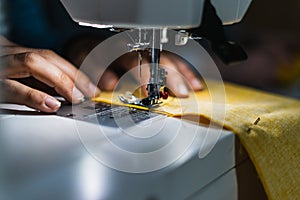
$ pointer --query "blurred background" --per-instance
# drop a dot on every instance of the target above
(270, 34)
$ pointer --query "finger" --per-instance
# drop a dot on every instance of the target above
(175, 80)
(184, 69)
(140, 70)
(136, 65)
(142, 75)
(5, 42)
(15, 92)
(108, 80)
(13, 49)
(82, 81)
(9, 69)
(46, 72)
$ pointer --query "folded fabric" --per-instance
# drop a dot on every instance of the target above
(268, 126)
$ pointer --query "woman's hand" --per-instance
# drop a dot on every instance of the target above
(45, 66)
(180, 77)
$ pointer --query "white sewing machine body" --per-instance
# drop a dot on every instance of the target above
(47, 157)
(173, 14)
(43, 157)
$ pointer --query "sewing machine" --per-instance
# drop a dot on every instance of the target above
(53, 157)
(41, 159)
(201, 19)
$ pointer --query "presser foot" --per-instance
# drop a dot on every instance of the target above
(150, 101)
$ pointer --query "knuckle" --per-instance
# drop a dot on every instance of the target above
(62, 79)
(29, 94)
(83, 80)
(64, 84)
(32, 96)
(28, 58)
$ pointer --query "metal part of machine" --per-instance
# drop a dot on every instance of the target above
(150, 40)
(202, 18)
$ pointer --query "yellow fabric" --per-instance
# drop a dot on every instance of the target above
(268, 126)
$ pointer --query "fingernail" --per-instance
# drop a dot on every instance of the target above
(52, 103)
(77, 94)
(196, 84)
(182, 90)
(95, 91)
